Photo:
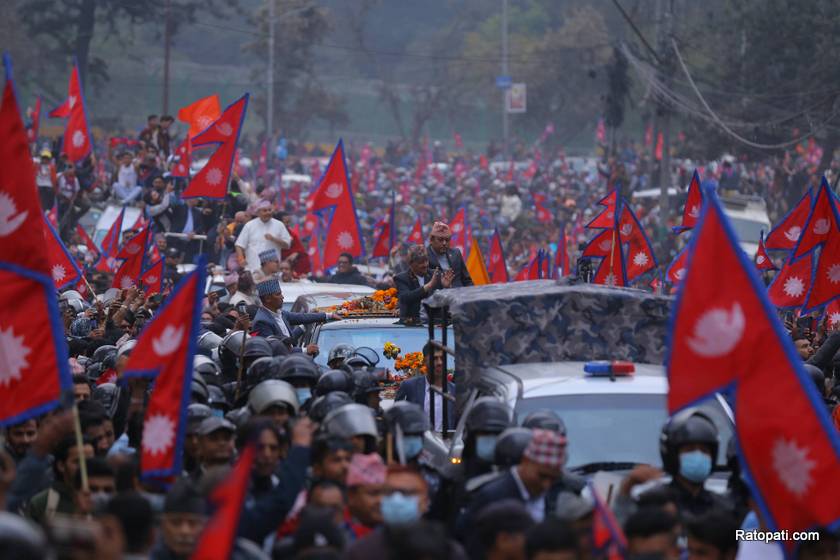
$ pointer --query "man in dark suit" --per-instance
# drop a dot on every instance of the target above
(528, 482)
(417, 283)
(271, 320)
(416, 389)
(446, 259)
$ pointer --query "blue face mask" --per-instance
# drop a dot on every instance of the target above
(695, 466)
(485, 447)
(412, 446)
(303, 394)
(399, 509)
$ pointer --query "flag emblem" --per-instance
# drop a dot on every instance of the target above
(794, 286)
(334, 190)
(13, 353)
(158, 434)
(225, 129)
(640, 259)
(78, 139)
(793, 466)
(214, 176)
(168, 340)
(58, 273)
(345, 240)
(834, 273)
(793, 233)
(8, 221)
(717, 332)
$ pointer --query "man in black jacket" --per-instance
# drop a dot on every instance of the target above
(446, 259)
(417, 283)
(346, 273)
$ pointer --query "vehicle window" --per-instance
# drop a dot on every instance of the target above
(408, 339)
(747, 230)
(617, 428)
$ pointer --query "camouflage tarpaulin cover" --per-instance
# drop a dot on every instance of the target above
(548, 321)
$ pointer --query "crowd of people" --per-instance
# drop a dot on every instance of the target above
(335, 475)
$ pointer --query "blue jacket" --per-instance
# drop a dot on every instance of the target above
(265, 323)
(413, 390)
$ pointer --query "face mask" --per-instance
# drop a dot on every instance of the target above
(412, 446)
(399, 509)
(303, 394)
(485, 447)
(99, 500)
(695, 466)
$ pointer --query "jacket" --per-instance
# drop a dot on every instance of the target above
(456, 263)
(413, 390)
(377, 545)
(352, 277)
(410, 294)
(265, 323)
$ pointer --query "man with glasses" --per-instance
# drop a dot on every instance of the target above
(446, 259)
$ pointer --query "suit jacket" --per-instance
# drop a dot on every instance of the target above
(502, 488)
(265, 323)
(410, 293)
(414, 390)
(456, 263)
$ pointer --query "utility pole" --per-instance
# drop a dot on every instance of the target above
(269, 111)
(664, 112)
(505, 124)
(167, 39)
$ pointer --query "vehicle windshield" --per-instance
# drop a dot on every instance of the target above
(408, 339)
(748, 230)
(618, 428)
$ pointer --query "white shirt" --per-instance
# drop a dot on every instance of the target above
(280, 322)
(253, 242)
(127, 176)
(535, 506)
(438, 406)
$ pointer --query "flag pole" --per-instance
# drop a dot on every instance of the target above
(612, 257)
(80, 445)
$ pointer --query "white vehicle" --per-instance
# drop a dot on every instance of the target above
(288, 178)
(107, 218)
(293, 290)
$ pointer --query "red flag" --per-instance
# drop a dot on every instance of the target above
(111, 241)
(498, 268)
(693, 203)
(183, 155)
(640, 256)
(725, 331)
(659, 147)
(262, 167)
(562, 262)
(459, 143)
(601, 132)
(832, 314)
(789, 288)
(76, 142)
(52, 215)
(314, 252)
(34, 370)
(787, 232)
(218, 537)
(83, 235)
(334, 193)
(136, 245)
(32, 131)
(822, 222)
(458, 225)
(151, 281)
(128, 274)
(542, 213)
(600, 245)
(825, 286)
(310, 223)
(606, 219)
(762, 259)
(63, 268)
(676, 270)
(165, 351)
(200, 114)
(530, 271)
(611, 271)
(608, 540)
(381, 246)
(649, 135)
(416, 235)
(212, 181)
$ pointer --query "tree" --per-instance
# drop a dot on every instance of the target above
(299, 95)
(65, 28)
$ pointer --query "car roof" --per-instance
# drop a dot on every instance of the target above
(295, 289)
(363, 322)
(547, 379)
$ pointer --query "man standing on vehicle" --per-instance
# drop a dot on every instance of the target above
(417, 283)
(446, 259)
(416, 389)
(261, 234)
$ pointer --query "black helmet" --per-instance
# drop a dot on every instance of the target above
(355, 361)
(216, 398)
(100, 353)
(327, 403)
(208, 369)
(278, 347)
(257, 347)
(817, 376)
(93, 371)
(510, 445)
(489, 415)
(198, 390)
(108, 395)
(297, 367)
(410, 417)
(209, 341)
(260, 370)
(334, 380)
(341, 351)
(196, 413)
(545, 419)
(363, 384)
(368, 354)
(230, 348)
(687, 426)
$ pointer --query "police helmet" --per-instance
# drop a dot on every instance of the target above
(93, 371)
(278, 347)
(410, 417)
(80, 327)
(260, 370)
(230, 348)
(334, 380)
(273, 392)
(198, 389)
(510, 445)
(196, 413)
(368, 354)
(100, 353)
(356, 361)
(217, 399)
(299, 367)
(364, 383)
(489, 415)
(325, 404)
(351, 420)
(108, 395)
(209, 341)
(206, 366)
(257, 347)
(686, 427)
(545, 419)
(339, 351)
